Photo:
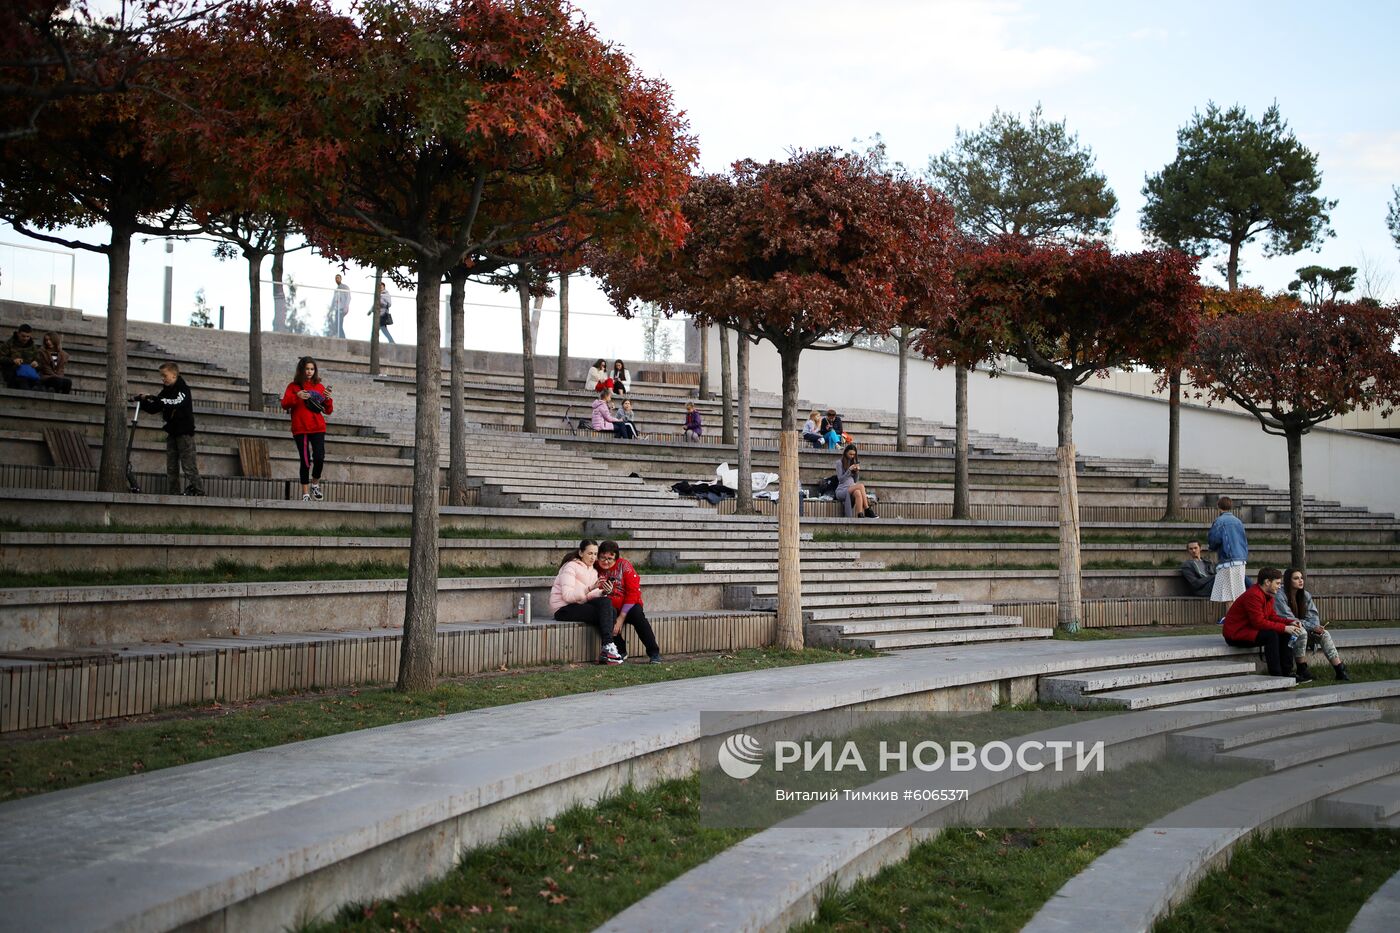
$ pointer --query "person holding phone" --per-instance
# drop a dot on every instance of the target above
(308, 402)
(626, 594)
(848, 484)
(579, 596)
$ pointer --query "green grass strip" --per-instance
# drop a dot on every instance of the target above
(37, 765)
(1312, 879)
(228, 571)
(572, 873)
(564, 533)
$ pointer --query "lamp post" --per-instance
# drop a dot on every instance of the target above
(169, 279)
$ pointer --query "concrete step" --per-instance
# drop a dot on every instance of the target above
(891, 579)
(1376, 803)
(808, 564)
(832, 630)
(1208, 741)
(1316, 746)
(837, 597)
(950, 606)
(1068, 688)
(1169, 694)
(962, 636)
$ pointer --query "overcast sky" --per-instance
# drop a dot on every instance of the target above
(757, 78)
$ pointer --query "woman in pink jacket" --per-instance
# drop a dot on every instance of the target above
(579, 596)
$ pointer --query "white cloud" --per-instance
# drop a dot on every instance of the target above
(1371, 156)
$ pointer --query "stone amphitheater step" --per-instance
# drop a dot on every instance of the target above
(1370, 804)
(823, 563)
(842, 600)
(1208, 741)
(1291, 751)
(877, 609)
(959, 617)
(1170, 694)
(1006, 631)
(1074, 688)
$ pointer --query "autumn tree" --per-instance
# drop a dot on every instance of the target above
(90, 162)
(1235, 179)
(1026, 177)
(442, 131)
(1293, 366)
(1068, 312)
(794, 252)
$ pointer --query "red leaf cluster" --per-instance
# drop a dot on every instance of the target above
(795, 251)
(1293, 366)
(1069, 310)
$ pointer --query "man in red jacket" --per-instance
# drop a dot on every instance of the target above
(626, 599)
(1252, 622)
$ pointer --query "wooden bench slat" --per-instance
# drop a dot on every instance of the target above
(69, 448)
(253, 458)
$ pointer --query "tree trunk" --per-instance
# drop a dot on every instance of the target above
(1070, 608)
(111, 472)
(744, 490)
(789, 629)
(962, 508)
(726, 388)
(279, 295)
(1297, 528)
(1173, 512)
(374, 324)
(704, 333)
(416, 666)
(1232, 266)
(561, 378)
(901, 437)
(527, 356)
(457, 417)
(255, 367)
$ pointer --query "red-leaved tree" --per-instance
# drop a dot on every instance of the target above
(437, 131)
(1293, 367)
(1068, 312)
(793, 252)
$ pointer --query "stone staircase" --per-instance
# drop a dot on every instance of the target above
(1152, 686)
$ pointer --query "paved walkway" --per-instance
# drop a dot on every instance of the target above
(160, 849)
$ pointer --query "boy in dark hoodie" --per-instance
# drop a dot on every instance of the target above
(176, 406)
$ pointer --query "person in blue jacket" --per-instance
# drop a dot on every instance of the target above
(1227, 539)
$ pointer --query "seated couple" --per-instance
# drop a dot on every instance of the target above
(599, 378)
(1279, 615)
(605, 418)
(595, 584)
(828, 432)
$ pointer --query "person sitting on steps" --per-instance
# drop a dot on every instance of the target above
(626, 599)
(598, 379)
(1294, 603)
(53, 360)
(832, 429)
(811, 430)
(848, 484)
(621, 379)
(1198, 572)
(579, 596)
(693, 427)
(603, 417)
(1253, 623)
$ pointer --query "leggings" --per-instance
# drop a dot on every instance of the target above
(597, 612)
(311, 454)
(1277, 655)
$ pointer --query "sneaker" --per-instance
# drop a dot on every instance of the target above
(316, 492)
(610, 655)
(306, 497)
(1302, 676)
(1340, 672)
(1220, 621)
(654, 659)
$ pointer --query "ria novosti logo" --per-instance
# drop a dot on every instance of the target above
(741, 756)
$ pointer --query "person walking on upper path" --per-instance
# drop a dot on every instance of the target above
(626, 599)
(381, 305)
(1198, 572)
(578, 595)
(175, 404)
(340, 306)
(308, 402)
(1227, 539)
(1253, 623)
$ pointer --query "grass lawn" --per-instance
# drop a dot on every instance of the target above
(1313, 879)
(574, 872)
(227, 571)
(34, 765)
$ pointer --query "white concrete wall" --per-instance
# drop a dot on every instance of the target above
(1355, 469)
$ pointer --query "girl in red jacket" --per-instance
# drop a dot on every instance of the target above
(309, 402)
(626, 598)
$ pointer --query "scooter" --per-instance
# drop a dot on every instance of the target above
(130, 442)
